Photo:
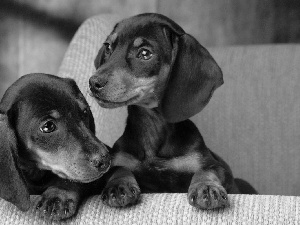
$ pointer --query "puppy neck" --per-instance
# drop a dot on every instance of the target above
(148, 128)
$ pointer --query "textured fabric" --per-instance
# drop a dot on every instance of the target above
(172, 209)
(243, 123)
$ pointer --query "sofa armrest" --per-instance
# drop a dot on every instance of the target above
(172, 209)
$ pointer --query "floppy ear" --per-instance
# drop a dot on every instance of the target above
(192, 80)
(12, 184)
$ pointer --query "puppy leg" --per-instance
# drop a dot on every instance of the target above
(121, 189)
(206, 191)
(60, 200)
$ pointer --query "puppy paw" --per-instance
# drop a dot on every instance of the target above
(208, 196)
(57, 204)
(120, 193)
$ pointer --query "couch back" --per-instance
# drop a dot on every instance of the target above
(252, 121)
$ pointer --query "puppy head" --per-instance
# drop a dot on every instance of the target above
(47, 121)
(149, 60)
(132, 66)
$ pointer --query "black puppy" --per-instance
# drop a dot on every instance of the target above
(48, 146)
(165, 76)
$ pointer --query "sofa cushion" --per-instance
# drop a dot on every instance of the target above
(170, 209)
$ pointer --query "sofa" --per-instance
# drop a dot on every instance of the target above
(252, 121)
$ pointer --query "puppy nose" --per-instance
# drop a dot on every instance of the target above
(100, 162)
(97, 83)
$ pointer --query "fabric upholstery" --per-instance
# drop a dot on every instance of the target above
(171, 209)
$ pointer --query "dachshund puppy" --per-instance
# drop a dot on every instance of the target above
(48, 146)
(164, 76)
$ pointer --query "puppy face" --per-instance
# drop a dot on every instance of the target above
(148, 60)
(136, 64)
(55, 129)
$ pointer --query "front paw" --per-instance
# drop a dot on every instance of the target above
(57, 204)
(120, 193)
(207, 196)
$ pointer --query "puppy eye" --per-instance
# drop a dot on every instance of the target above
(108, 48)
(48, 127)
(144, 54)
